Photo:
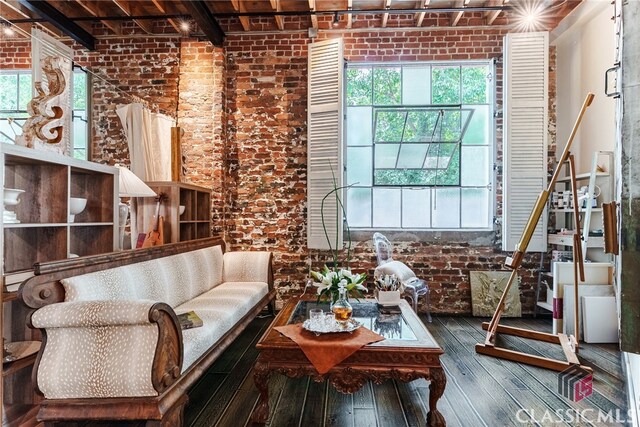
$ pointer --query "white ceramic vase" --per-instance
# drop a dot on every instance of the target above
(10, 198)
(76, 205)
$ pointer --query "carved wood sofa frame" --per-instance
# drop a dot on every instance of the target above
(166, 409)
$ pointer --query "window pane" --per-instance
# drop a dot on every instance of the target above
(386, 207)
(446, 85)
(359, 126)
(79, 135)
(416, 85)
(478, 129)
(386, 155)
(359, 86)
(26, 92)
(359, 207)
(420, 126)
(389, 125)
(8, 91)
(80, 90)
(475, 166)
(386, 85)
(359, 166)
(416, 210)
(412, 156)
(451, 130)
(446, 208)
(475, 208)
(474, 85)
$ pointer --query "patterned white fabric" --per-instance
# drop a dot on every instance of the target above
(400, 269)
(83, 360)
(246, 267)
(173, 279)
(220, 309)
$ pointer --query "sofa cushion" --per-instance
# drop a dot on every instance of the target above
(172, 280)
(220, 309)
(246, 266)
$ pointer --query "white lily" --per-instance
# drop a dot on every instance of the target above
(347, 274)
(361, 288)
(321, 288)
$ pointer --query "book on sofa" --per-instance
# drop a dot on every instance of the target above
(189, 320)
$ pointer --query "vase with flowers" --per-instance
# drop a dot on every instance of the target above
(335, 283)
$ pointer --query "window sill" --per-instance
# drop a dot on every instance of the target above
(472, 237)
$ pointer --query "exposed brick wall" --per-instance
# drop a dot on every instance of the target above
(201, 116)
(267, 158)
(15, 54)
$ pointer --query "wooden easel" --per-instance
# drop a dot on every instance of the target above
(569, 343)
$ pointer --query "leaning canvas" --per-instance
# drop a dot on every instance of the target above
(486, 290)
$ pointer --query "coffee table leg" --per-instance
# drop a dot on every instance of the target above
(261, 375)
(436, 389)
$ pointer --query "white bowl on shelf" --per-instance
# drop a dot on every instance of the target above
(76, 205)
(181, 210)
(10, 198)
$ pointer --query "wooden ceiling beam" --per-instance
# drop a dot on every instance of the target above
(94, 10)
(275, 5)
(314, 18)
(128, 8)
(421, 4)
(385, 16)
(491, 16)
(349, 15)
(238, 6)
(60, 21)
(69, 10)
(200, 13)
(161, 5)
(20, 12)
(455, 16)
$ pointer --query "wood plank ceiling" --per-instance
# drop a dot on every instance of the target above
(271, 15)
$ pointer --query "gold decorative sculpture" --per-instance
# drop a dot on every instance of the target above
(45, 117)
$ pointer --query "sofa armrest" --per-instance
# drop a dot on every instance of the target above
(247, 266)
(107, 349)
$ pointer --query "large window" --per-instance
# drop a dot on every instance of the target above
(15, 93)
(419, 145)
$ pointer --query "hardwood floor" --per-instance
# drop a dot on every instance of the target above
(481, 390)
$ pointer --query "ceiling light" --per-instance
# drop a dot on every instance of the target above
(185, 26)
(529, 15)
(336, 19)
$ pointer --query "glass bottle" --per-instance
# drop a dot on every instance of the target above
(342, 310)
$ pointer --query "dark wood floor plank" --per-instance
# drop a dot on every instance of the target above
(363, 398)
(313, 413)
(221, 399)
(415, 405)
(228, 359)
(200, 394)
(365, 417)
(288, 409)
(339, 410)
(388, 405)
(493, 407)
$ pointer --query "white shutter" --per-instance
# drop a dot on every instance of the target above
(324, 141)
(526, 76)
(42, 46)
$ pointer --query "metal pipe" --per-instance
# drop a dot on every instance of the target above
(279, 13)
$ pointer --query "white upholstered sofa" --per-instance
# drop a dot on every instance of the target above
(111, 338)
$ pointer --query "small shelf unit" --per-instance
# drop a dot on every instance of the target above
(194, 223)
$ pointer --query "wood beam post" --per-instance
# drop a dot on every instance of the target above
(421, 4)
(60, 21)
(491, 16)
(455, 16)
(314, 18)
(94, 10)
(349, 15)
(161, 5)
(385, 16)
(275, 5)
(128, 8)
(244, 20)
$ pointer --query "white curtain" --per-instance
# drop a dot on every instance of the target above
(149, 139)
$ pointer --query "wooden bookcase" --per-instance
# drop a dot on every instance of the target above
(45, 233)
(194, 223)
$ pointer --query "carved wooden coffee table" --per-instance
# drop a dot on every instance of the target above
(408, 352)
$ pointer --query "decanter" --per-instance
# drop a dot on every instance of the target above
(342, 310)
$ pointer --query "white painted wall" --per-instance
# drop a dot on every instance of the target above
(585, 50)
